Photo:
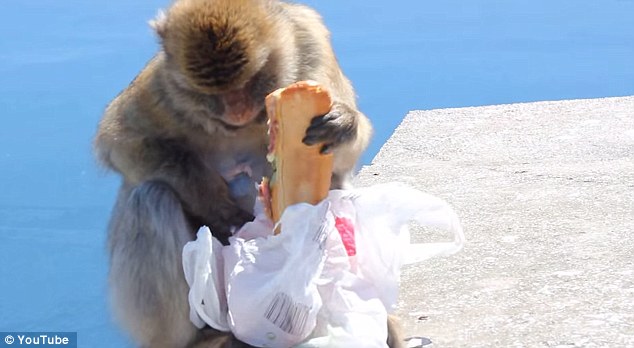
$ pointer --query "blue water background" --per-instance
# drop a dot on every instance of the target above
(62, 61)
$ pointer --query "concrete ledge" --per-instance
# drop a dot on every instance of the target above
(545, 192)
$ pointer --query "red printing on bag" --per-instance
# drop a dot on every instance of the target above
(346, 231)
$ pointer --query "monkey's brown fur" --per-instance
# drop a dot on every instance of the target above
(188, 136)
(225, 54)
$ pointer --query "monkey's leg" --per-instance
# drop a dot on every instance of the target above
(149, 293)
(216, 339)
(395, 337)
(210, 338)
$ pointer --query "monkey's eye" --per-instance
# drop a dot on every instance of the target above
(262, 83)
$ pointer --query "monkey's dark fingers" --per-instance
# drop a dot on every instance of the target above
(326, 149)
(315, 133)
(240, 217)
(330, 129)
(319, 121)
(245, 216)
(223, 225)
(231, 215)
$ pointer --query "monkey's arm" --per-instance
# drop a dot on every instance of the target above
(142, 155)
(203, 191)
(342, 125)
(345, 130)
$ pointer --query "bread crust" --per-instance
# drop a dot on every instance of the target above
(301, 173)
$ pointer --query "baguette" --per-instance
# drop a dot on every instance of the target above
(300, 172)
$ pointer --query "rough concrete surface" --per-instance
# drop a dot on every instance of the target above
(545, 192)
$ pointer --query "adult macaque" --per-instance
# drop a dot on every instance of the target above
(188, 137)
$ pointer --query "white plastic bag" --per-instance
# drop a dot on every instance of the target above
(272, 297)
(328, 279)
(204, 273)
(382, 235)
(357, 297)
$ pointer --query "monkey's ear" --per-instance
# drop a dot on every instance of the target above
(159, 24)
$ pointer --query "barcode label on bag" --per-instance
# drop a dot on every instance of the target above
(322, 233)
(287, 314)
(320, 236)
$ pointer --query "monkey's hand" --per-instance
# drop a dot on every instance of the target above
(333, 129)
(229, 215)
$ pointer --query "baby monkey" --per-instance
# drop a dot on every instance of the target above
(189, 138)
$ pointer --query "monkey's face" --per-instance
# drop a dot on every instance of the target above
(239, 109)
(223, 50)
(246, 103)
